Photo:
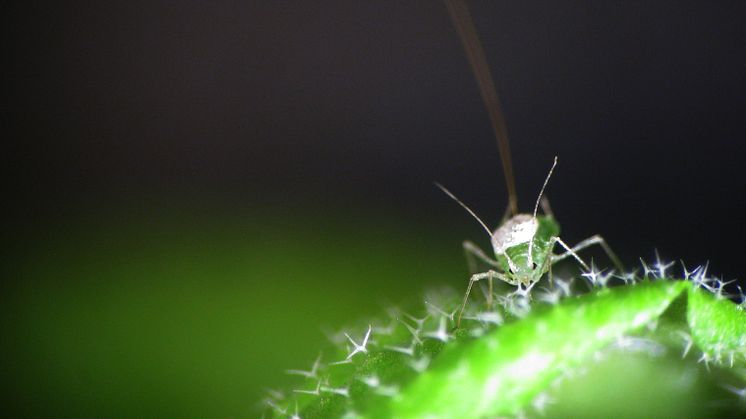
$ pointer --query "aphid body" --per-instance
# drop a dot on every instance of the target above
(523, 243)
(523, 247)
(511, 242)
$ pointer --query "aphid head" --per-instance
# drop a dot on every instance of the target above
(517, 230)
(510, 243)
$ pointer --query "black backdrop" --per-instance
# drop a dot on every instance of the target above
(364, 104)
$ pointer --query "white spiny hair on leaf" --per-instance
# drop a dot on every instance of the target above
(361, 347)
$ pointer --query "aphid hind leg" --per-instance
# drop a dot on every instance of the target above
(489, 294)
(474, 278)
(471, 251)
(596, 239)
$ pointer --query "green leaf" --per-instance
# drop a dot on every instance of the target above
(718, 328)
(502, 372)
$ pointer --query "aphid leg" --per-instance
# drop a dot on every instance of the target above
(474, 278)
(596, 239)
(469, 256)
(471, 251)
(489, 294)
(569, 252)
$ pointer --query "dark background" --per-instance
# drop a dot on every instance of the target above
(351, 109)
(366, 103)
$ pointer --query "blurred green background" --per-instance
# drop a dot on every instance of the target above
(169, 312)
(166, 313)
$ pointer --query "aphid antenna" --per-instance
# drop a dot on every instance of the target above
(544, 186)
(459, 11)
(452, 196)
(536, 206)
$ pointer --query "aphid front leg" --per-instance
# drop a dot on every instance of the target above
(596, 239)
(569, 252)
(476, 277)
(473, 251)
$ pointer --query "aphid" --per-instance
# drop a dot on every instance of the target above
(523, 243)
